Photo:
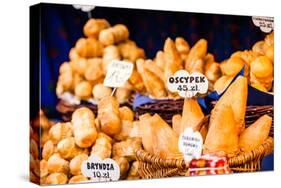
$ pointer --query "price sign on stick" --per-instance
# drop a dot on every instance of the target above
(100, 170)
(188, 85)
(118, 72)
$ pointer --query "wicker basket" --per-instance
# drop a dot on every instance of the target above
(254, 112)
(169, 107)
(151, 166)
(166, 108)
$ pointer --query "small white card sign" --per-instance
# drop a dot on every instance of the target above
(188, 85)
(100, 170)
(118, 72)
(190, 144)
(266, 24)
(84, 8)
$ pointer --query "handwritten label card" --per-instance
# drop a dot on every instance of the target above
(190, 144)
(118, 72)
(266, 24)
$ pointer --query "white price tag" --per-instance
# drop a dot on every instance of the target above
(190, 144)
(118, 72)
(84, 8)
(188, 85)
(266, 24)
(100, 170)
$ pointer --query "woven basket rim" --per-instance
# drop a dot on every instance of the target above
(152, 105)
(242, 158)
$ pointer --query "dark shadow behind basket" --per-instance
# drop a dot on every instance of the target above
(66, 109)
(166, 108)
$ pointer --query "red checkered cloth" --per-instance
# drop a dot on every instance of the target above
(208, 164)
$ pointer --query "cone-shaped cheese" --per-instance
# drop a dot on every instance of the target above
(198, 51)
(255, 134)
(204, 131)
(176, 123)
(197, 65)
(154, 85)
(192, 115)
(236, 97)
(182, 47)
(153, 68)
(222, 83)
(165, 139)
(172, 59)
(222, 137)
(146, 132)
(158, 137)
